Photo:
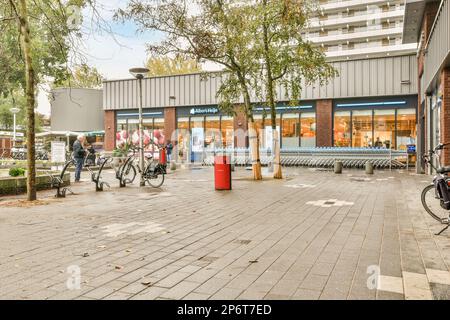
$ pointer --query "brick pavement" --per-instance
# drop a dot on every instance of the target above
(312, 235)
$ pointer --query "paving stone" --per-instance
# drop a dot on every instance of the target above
(258, 242)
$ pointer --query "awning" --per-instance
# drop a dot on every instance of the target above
(56, 133)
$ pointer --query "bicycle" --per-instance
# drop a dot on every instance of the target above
(436, 197)
(153, 173)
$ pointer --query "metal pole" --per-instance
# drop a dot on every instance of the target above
(14, 135)
(141, 135)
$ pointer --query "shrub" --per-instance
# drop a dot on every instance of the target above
(16, 172)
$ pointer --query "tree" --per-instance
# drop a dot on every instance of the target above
(6, 118)
(82, 76)
(164, 66)
(48, 31)
(288, 60)
(218, 32)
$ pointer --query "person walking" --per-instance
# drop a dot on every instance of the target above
(78, 154)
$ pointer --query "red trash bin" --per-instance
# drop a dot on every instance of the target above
(222, 172)
(162, 156)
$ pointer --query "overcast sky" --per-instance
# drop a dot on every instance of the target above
(112, 56)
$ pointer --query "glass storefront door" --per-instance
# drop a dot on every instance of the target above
(384, 129)
(308, 133)
(342, 129)
(362, 129)
(227, 128)
(290, 130)
(213, 138)
(406, 128)
(184, 141)
(197, 138)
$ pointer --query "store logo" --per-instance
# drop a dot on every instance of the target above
(195, 111)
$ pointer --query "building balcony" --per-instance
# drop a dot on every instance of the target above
(343, 21)
(371, 52)
(372, 34)
(351, 4)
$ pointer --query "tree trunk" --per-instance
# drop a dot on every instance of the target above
(276, 157)
(252, 132)
(254, 149)
(30, 93)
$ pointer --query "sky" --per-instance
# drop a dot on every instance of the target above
(112, 55)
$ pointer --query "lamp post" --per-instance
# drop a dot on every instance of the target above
(139, 73)
(14, 111)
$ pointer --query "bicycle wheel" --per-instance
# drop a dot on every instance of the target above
(432, 204)
(155, 180)
(129, 173)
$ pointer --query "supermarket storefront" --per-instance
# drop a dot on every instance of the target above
(388, 123)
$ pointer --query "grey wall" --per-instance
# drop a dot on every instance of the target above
(77, 110)
(387, 76)
(438, 47)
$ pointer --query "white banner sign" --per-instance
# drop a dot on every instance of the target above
(58, 152)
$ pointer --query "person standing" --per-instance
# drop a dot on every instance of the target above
(78, 154)
(169, 148)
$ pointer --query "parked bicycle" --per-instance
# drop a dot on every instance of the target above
(42, 155)
(19, 154)
(153, 174)
(4, 155)
(436, 197)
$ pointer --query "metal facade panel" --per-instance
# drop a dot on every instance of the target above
(351, 78)
(357, 78)
(381, 76)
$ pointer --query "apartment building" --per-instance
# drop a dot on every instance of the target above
(360, 29)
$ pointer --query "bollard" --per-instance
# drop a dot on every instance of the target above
(338, 167)
(173, 165)
(369, 168)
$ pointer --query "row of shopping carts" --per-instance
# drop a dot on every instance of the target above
(318, 157)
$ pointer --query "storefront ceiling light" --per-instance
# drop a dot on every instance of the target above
(285, 108)
(368, 104)
(137, 114)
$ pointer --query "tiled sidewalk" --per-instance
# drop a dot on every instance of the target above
(313, 235)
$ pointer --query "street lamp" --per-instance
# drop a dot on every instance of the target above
(14, 111)
(139, 73)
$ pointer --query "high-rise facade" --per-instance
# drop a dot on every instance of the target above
(359, 29)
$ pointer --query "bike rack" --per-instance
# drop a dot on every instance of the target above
(97, 177)
(119, 176)
(58, 182)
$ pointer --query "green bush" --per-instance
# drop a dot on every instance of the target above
(16, 172)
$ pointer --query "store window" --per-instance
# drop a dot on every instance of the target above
(384, 129)
(128, 132)
(342, 129)
(308, 130)
(183, 143)
(213, 138)
(227, 129)
(290, 130)
(262, 125)
(406, 128)
(362, 129)
(268, 137)
(197, 134)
